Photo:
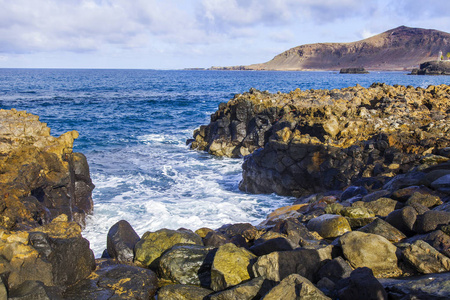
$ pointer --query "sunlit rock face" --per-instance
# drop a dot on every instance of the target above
(40, 176)
(315, 140)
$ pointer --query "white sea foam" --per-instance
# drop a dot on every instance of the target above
(159, 183)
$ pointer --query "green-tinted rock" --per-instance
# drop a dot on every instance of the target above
(334, 208)
(230, 267)
(426, 200)
(372, 251)
(182, 292)
(153, 244)
(187, 264)
(357, 212)
(380, 207)
(329, 226)
(356, 223)
(295, 287)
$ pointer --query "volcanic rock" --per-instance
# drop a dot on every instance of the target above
(111, 281)
(121, 240)
(182, 292)
(372, 251)
(290, 148)
(433, 68)
(353, 71)
(187, 264)
(295, 287)
(329, 226)
(384, 229)
(40, 176)
(278, 265)
(361, 285)
(230, 267)
(245, 291)
(152, 244)
(397, 49)
(425, 258)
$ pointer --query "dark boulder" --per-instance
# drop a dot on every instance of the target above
(215, 239)
(335, 269)
(278, 265)
(120, 241)
(361, 285)
(70, 258)
(403, 219)
(431, 220)
(187, 264)
(111, 279)
(272, 245)
(34, 290)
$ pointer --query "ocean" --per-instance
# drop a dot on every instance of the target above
(133, 127)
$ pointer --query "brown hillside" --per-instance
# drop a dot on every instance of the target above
(402, 48)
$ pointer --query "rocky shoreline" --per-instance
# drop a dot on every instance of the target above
(433, 68)
(382, 224)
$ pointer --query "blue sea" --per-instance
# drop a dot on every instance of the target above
(133, 127)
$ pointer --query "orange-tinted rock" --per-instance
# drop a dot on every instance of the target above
(41, 177)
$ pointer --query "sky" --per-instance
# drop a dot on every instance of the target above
(177, 34)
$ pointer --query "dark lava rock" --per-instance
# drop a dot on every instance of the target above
(383, 228)
(335, 270)
(431, 220)
(248, 290)
(246, 230)
(432, 286)
(353, 191)
(278, 265)
(71, 259)
(361, 285)
(433, 68)
(353, 71)
(111, 279)
(121, 240)
(296, 232)
(215, 239)
(31, 290)
(403, 219)
(187, 264)
(272, 245)
(182, 292)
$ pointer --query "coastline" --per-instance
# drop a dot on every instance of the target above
(321, 228)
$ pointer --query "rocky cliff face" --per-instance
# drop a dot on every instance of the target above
(433, 68)
(401, 48)
(40, 176)
(319, 140)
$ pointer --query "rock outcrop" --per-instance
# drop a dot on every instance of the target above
(313, 141)
(353, 71)
(40, 176)
(433, 68)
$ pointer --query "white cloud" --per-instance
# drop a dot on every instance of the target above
(87, 25)
(163, 33)
(221, 15)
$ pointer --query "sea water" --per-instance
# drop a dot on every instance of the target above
(133, 127)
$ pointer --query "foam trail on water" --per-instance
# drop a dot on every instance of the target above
(160, 183)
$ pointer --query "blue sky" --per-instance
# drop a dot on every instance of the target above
(174, 34)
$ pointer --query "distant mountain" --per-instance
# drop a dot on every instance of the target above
(402, 48)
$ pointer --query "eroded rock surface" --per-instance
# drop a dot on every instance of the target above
(40, 176)
(310, 141)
